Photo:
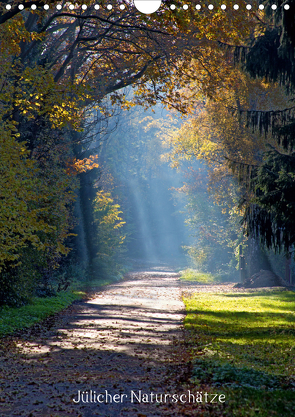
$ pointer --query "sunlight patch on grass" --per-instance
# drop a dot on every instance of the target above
(245, 341)
(200, 277)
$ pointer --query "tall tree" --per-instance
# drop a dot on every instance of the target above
(270, 214)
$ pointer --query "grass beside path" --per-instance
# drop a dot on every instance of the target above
(243, 346)
(17, 318)
(195, 276)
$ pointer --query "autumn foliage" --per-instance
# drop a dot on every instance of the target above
(65, 72)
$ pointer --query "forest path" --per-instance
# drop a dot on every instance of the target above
(123, 340)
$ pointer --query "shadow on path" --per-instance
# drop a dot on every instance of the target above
(117, 348)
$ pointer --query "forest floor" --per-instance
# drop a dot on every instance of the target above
(126, 343)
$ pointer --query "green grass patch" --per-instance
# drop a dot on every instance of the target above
(199, 277)
(17, 318)
(242, 345)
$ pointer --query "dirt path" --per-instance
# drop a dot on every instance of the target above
(117, 348)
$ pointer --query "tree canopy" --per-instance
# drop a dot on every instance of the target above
(65, 71)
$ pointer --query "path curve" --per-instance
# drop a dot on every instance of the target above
(118, 348)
